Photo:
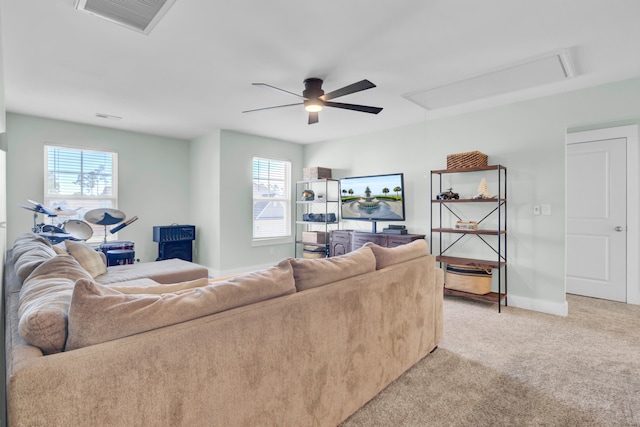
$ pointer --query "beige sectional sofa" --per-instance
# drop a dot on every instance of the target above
(304, 343)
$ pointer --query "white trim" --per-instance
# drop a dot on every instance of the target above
(629, 132)
(559, 309)
(268, 241)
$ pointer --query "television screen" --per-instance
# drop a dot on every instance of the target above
(372, 198)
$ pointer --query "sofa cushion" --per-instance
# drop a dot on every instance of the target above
(311, 273)
(100, 313)
(389, 256)
(88, 257)
(166, 271)
(44, 302)
(148, 286)
(28, 252)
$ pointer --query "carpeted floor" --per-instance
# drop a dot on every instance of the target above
(521, 368)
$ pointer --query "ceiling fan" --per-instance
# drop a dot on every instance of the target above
(314, 99)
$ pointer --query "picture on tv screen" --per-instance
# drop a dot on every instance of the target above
(373, 198)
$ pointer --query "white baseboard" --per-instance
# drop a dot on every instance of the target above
(559, 309)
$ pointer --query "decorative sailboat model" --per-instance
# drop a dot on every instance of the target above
(483, 190)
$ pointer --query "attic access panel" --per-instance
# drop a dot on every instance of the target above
(527, 74)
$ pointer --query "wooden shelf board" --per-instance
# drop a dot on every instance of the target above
(477, 169)
(494, 200)
(469, 261)
(463, 231)
(316, 222)
(320, 245)
(490, 297)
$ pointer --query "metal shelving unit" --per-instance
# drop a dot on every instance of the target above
(494, 238)
(326, 202)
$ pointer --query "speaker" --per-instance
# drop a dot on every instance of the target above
(181, 249)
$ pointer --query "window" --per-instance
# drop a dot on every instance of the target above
(81, 180)
(271, 199)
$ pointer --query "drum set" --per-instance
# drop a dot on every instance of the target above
(117, 253)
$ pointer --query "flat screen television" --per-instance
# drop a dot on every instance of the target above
(372, 198)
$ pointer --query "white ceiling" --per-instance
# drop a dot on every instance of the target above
(193, 73)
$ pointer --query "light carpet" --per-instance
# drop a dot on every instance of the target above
(521, 368)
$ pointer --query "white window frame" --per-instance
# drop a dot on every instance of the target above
(52, 199)
(285, 198)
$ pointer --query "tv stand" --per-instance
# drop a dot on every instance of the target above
(345, 241)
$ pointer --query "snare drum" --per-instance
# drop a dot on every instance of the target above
(78, 229)
(116, 246)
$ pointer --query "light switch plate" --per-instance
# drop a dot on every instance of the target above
(546, 209)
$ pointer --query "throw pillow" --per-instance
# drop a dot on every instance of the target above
(100, 313)
(88, 257)
(28, 252)
(44, 302)
(311, 273)
(60, 248)
(389, 256)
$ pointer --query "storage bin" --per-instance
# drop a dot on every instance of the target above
(471, 159)
(475, 280)
(315, 237)
(316, 173)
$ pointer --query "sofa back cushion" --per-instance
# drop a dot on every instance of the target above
(28, 252)
(44, 302)
(389, 256)
(311, 273)
(99, 313)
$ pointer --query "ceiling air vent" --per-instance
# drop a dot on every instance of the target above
(138, 15)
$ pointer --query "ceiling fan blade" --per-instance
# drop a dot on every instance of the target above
(352, 88)
(313, 117)
(354, 107)
(278, 89)
(271, 108)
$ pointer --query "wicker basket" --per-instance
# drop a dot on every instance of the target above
(471, 159)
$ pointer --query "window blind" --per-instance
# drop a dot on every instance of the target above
(271, 198)
(81, 180)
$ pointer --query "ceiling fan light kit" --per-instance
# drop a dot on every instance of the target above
(314, 98)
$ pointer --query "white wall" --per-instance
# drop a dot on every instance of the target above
(528, 138)
(153, 180)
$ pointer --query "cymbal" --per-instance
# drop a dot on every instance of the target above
(64, 212)
(39, 208)
(104, 216)
(29, 208)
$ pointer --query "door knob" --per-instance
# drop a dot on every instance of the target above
(618, 228)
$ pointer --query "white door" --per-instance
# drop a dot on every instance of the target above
(596, 219)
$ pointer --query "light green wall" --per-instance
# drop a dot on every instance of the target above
(222, 173)
(527, 137)
(205, 203)
(207, 181)
(153, 175)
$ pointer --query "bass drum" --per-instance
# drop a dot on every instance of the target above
(78, 229)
